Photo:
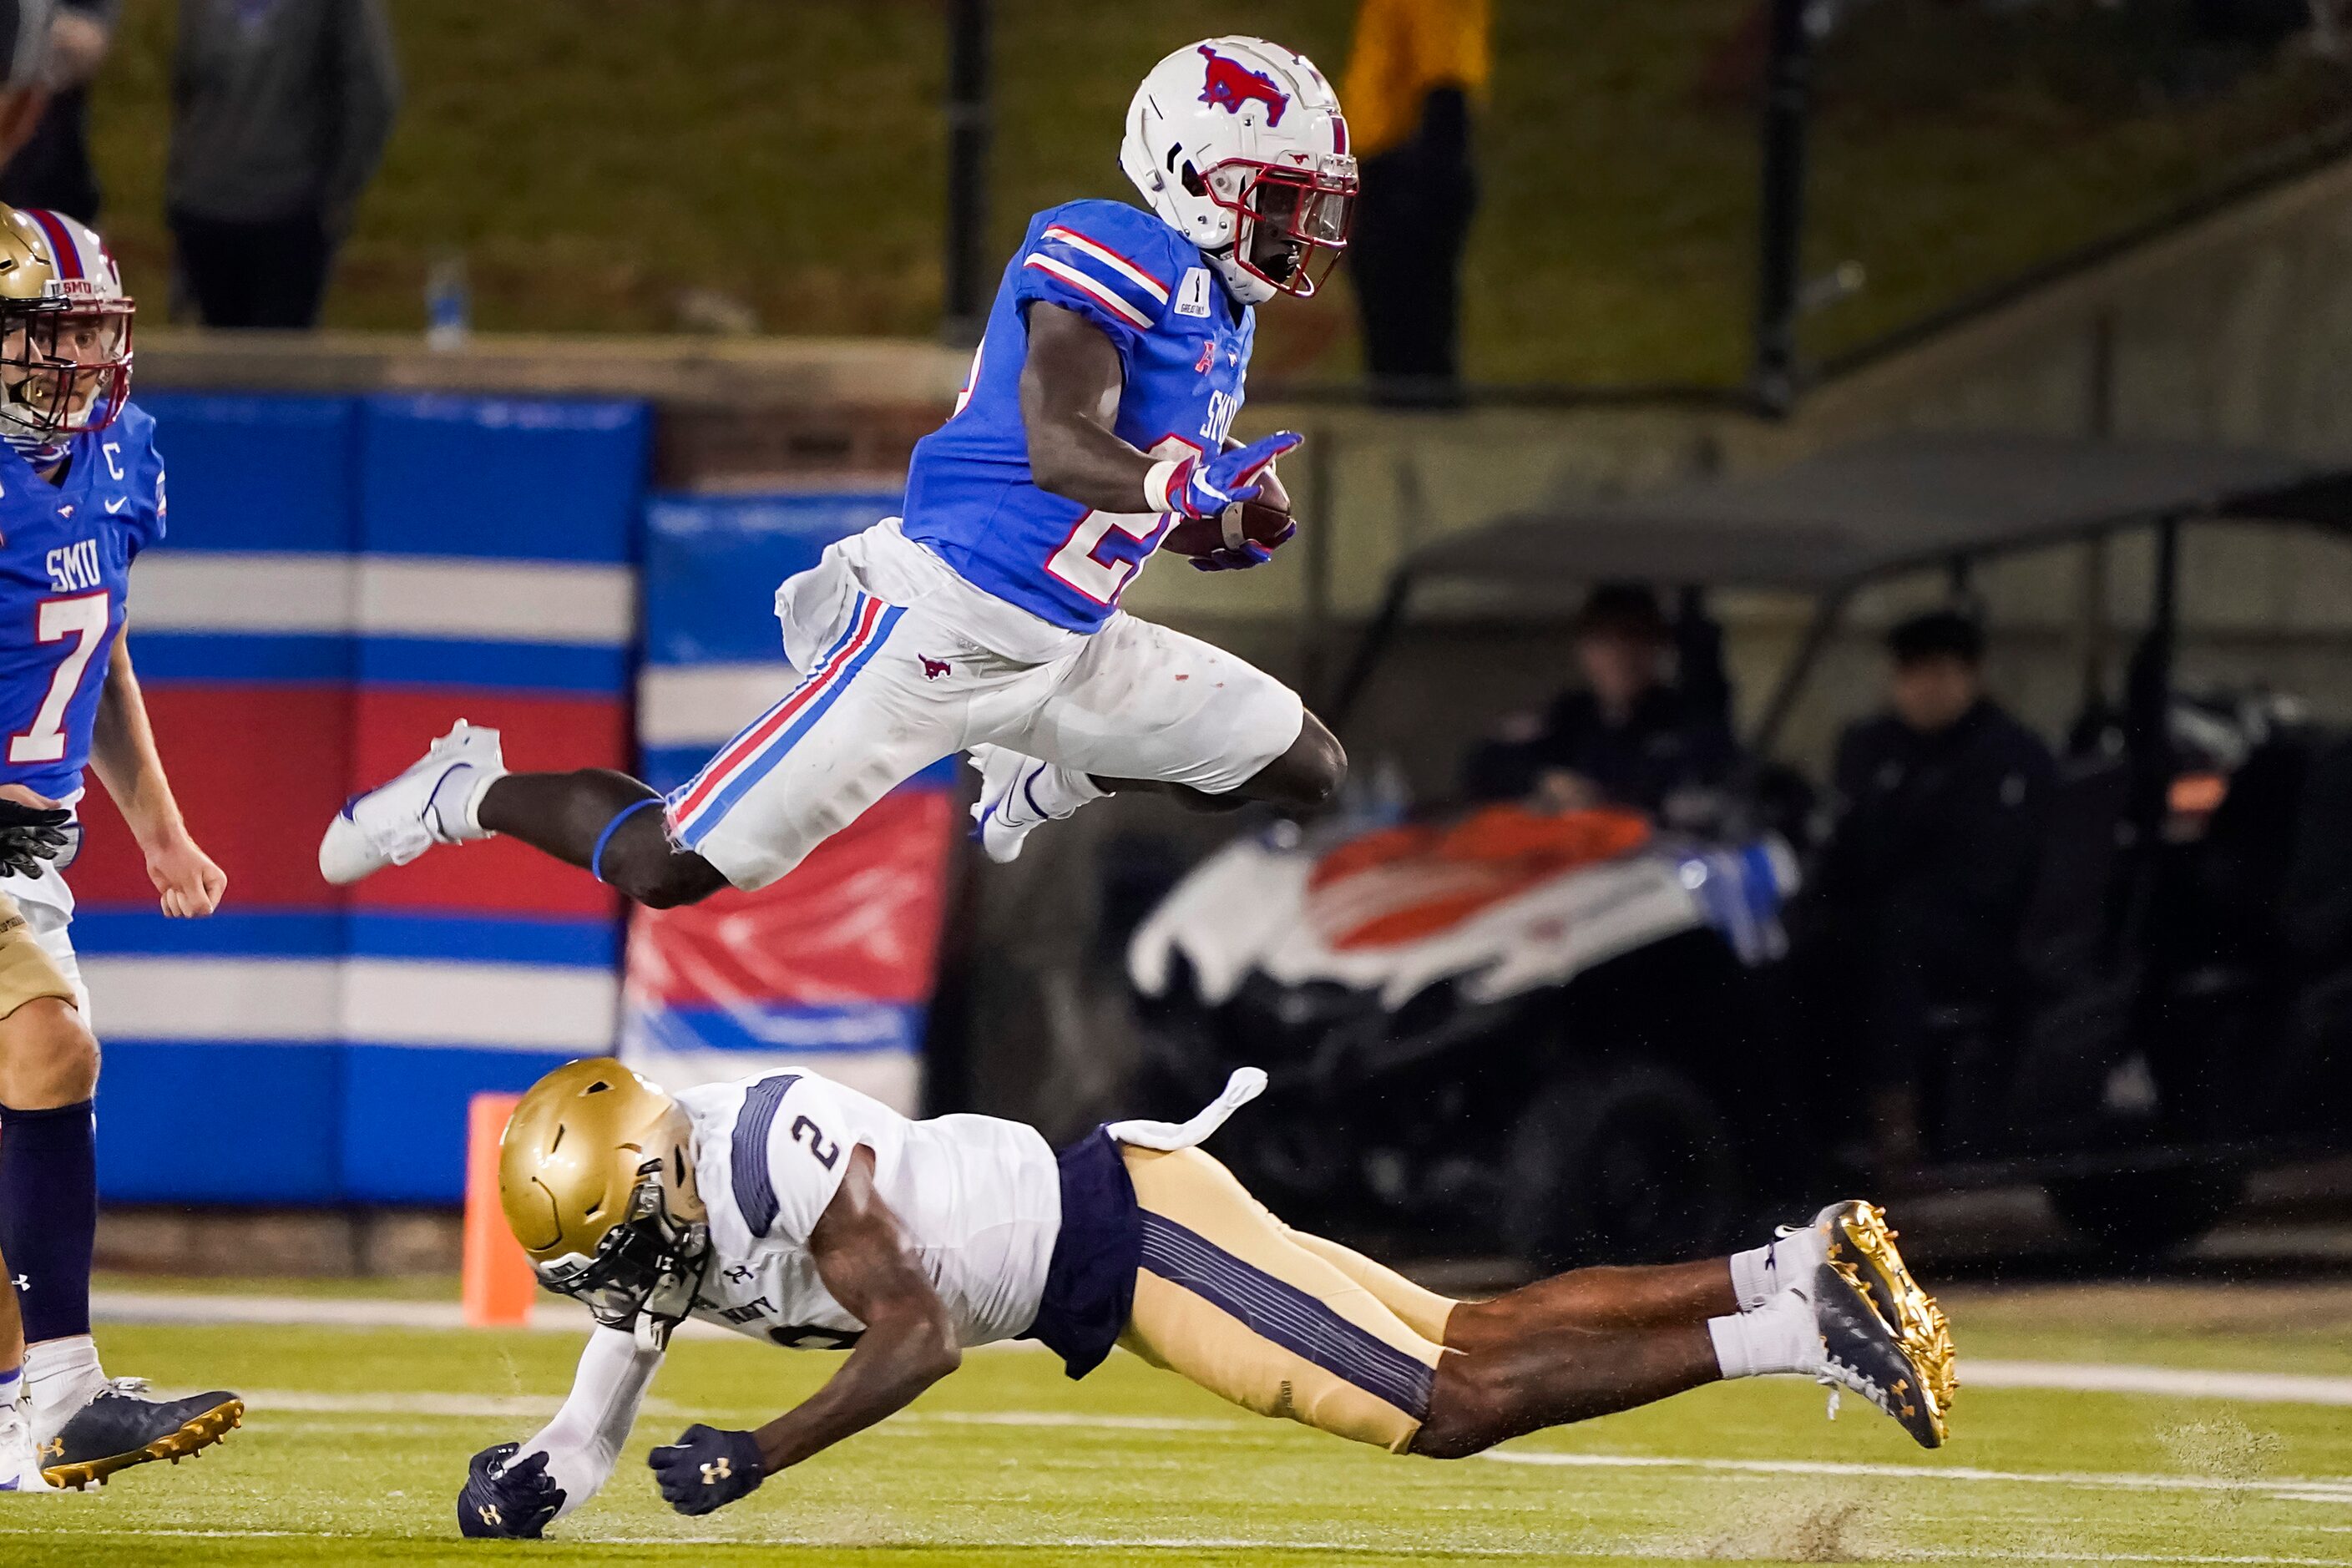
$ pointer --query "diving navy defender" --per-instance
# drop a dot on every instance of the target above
(81, 493)
(1095, 418)
(803, 1215)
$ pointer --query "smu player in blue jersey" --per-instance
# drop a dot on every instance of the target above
(81, 493)
(987, 621)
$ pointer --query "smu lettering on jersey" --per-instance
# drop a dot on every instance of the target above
(1184, 343)
(979, 1200)
(65, 580)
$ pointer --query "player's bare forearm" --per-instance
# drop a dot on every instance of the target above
(122, 753)
(1070, 387)
(909, 1344)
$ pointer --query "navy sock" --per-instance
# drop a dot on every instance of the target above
(49, 1214)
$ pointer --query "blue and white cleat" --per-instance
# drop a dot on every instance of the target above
(395, 822)
(1010, 804)
(20, 1463)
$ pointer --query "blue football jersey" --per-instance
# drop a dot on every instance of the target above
(65, 578)
(1184, 343)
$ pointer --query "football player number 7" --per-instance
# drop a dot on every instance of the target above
(80, 619)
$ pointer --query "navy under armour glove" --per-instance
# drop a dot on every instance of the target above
(707, 1468)
(32, 835)
(1204, 487)
(507, 1502)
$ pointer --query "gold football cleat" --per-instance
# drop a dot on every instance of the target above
(97, 1450)
(1863, 1250)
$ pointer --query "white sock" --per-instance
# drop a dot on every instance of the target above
(472, 815)
(1778, 1337)
(1059, 791)
(450, 809)
(62, 1375)
(12, 1386)
(1762, 1272)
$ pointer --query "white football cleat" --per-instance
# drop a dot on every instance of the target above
(395, 822)
(1017, 793)
(20, 1460)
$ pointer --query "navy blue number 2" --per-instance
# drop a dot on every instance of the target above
(826, 1154)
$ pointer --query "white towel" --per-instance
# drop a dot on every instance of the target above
(1246, 1085)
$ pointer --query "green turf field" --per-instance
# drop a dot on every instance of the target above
(358, 1442)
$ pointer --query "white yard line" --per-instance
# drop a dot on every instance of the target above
(2294, 1489)
(2333, 1490)
(564, 1317)
(548, 1316)
(1255, 1543)
(2094, 1377)
(527, 1407)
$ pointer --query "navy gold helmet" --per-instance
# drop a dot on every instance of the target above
(65, 332)
(596, 1176)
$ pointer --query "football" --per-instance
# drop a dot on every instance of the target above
(1267, 519)
(1256, 519)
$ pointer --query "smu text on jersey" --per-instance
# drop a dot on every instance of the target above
(66, 551)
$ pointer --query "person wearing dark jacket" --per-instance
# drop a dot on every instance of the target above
(281, 110)
(1927, 871)
(1631, 735)
(52, 168)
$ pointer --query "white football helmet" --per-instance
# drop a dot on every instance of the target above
(1240, 144)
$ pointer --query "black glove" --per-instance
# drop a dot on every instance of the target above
(31, 834)
(707, 1468)
(503, 1502)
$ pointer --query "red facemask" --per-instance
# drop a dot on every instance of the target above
(1290, 220)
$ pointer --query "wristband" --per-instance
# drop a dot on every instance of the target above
(1157, 480)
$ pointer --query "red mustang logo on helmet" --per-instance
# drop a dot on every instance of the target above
(1232, 84)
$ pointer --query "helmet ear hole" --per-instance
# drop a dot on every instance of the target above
(1193, 183)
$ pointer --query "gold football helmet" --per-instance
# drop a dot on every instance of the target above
(65, 329)
(596, 1176)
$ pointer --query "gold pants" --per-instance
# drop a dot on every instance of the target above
(1274, 1321)
(26, 972)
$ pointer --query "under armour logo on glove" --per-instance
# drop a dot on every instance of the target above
(707, 1468)
(507, 1502)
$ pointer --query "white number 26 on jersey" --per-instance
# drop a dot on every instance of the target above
(80, 617)
(1076, 562)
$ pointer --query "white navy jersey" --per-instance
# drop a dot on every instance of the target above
(979, 1200)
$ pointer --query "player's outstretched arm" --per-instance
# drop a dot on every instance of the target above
(1070, 386)
(122, 753)
(516, 1490)
(909, 1344)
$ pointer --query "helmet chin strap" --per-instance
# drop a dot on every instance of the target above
(40, 451)
(672, 1296)
(1245, 285)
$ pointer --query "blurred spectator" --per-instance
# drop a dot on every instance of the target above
(280, 110)
(1925, 875)
(1414, 68)
(53, 169)
(1639, 732)
(23, 57)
